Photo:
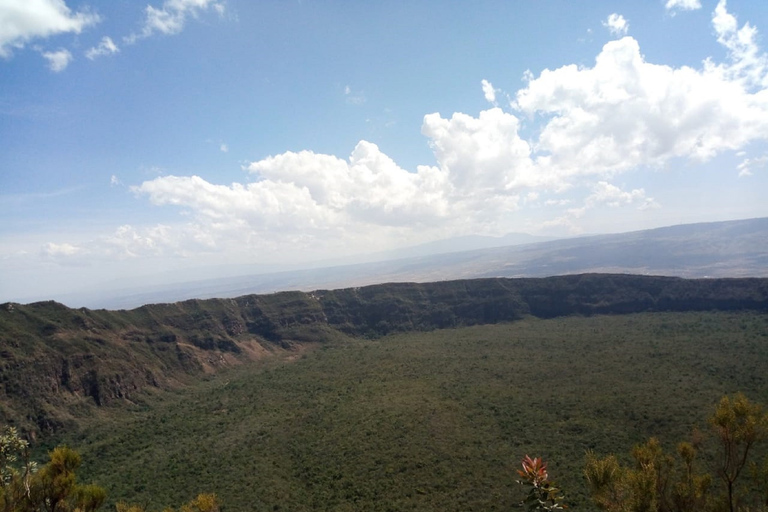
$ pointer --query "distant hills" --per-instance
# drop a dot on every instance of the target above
(718, 249)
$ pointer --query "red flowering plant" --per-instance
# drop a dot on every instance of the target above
(542, 495)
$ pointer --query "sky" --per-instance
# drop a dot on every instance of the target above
(181, 139)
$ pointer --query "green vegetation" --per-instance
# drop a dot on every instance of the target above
(430, 421)
(389, 397)
(53, 488)
(59, 365)
(659, 482)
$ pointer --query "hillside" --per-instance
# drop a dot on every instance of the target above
(717, 249)
(58, 364)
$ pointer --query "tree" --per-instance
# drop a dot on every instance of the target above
(739, 424)
(14, 480)
(658, 482)
(54, 487)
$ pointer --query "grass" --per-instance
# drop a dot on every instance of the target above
(430, 421)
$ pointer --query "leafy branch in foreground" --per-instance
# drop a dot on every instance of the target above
(542, 493)
(53, 488)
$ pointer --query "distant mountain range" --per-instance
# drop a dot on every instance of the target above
(718, 249)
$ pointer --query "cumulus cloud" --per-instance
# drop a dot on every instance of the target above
(309, 192)
(625, 112)
(105, 47)
(58, 60)
(593, 123)
(24, 20)
(616, 24)
(170, 18)
(683, 5)
(223, 148)
(489, 92)
(483, 155)
(584, 126)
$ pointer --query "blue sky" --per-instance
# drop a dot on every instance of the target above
(142, 138)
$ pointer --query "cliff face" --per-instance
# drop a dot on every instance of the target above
(57, 364)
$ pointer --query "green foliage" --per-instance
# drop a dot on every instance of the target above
(202, 503)
(16, 469)
(431, 421)
(739, 425)
(87, 359)
(53, 488)
(656, 482)
(662, 483)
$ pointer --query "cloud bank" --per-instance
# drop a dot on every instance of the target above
(588, 126)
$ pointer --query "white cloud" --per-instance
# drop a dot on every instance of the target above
(683, 5)
(58, 60)
(489, 92)
(170, 18)
(64, 249)
(748, 164)
(622, 114)
(612, 196)
(625, 112)
(584, 126)
(603, 194)
(64, 254)
(114, 181)
(483, 168)
(223, 148)
(616, 24)
(105, 47)
(483, 156)
(748, 64)
(130, 242)
(606, 194)
(24, 20)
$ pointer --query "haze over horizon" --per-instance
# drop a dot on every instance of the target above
(143, 138)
